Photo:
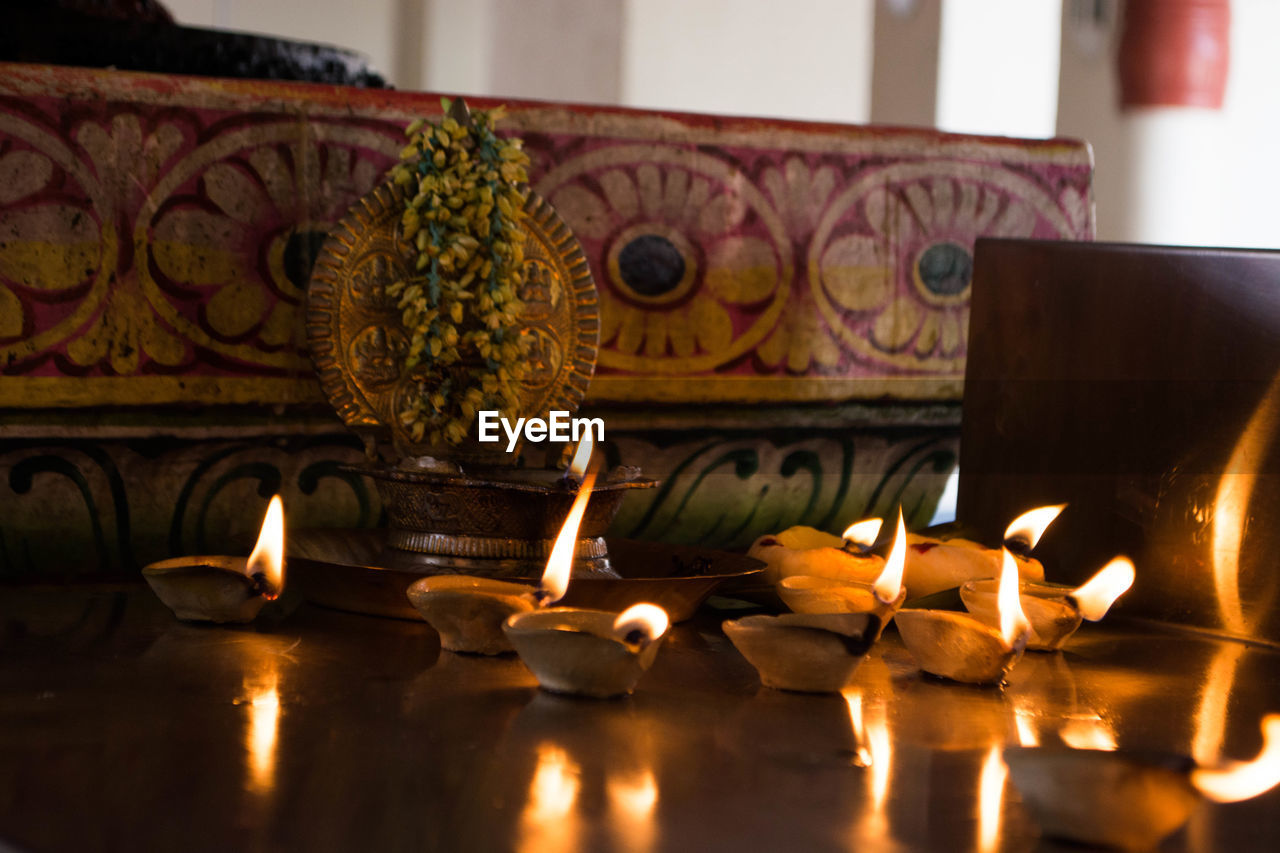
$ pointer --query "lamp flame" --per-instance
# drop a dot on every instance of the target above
(1241, 780)
(889, 585)
(1031, 525)
(267, 558)
(1096, 595)
(863, 533)
(641, 623)
(1013, 622)
(555, 579)
(582, 455)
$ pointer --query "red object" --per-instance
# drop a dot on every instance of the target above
(1175, 53)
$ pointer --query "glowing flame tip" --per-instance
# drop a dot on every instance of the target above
(582, 456)
(864, 532)
(267, 558)
(1095, 596)
(555, 579)
(889, 585)
(649, 620)
(1031, 525)
(1013, 622)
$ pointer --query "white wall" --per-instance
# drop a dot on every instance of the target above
(998, 67)
(807, 59)
(1182, 175)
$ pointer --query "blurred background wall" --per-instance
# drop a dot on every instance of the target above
(1030, 68)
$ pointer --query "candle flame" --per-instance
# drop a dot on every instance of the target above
(268, 554)
(1241, 780)
(555, 580)
(1013, 622)
(582, 455)
(889, 585)
(864, 532)
(1096, 595)
(991, 799)
(1088, 733)
(649, 620)
(1031, 525)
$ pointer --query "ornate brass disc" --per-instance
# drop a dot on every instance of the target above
(358, 342)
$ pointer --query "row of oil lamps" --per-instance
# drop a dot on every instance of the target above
(843, 596)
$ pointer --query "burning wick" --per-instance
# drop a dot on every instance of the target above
(1024, 532)
(889, 585)
(640, 624)
(555, 579)
(265, 565)
(1094, 597)
(860, 536)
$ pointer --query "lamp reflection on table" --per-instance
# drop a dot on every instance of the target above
(548, 821)
(262, 699)
(991, 784)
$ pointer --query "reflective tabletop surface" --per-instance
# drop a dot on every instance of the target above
(124, 729)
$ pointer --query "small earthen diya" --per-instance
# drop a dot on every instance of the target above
(224, 589)
(806, 552)
(963, 648)
(589, 653)
(1054, 612)
(1132, 801)
(469, 612)
(934, 565)
(883, 597)
(808, 652)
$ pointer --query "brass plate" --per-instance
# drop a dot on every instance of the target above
(358, 341)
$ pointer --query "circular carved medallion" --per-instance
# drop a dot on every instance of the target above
(358, 341)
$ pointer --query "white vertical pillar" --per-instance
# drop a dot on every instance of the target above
(904, 73)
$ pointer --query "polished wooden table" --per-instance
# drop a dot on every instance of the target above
(123, 729)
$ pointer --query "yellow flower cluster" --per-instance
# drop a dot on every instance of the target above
(464, 224)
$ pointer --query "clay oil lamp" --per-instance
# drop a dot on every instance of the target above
(935, 565)
(883, 596)
(1054, 612)
(807, 652)
(806, 552)
(1132, 801)
(224, 589)
(591, 653)
(468, 612)
(963, 648)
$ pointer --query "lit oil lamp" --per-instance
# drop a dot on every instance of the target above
(1132, 801)
(934, 565)
(883, 597)
(961, 647)
(808, 652)
(1054, 612)
(806, 552)
(469, 612)
(224, 589)
(588, 652)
